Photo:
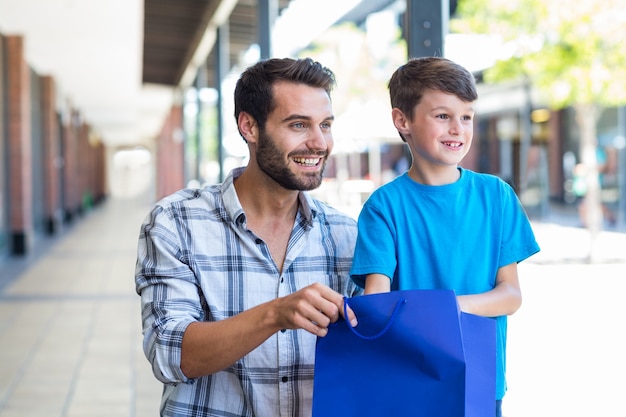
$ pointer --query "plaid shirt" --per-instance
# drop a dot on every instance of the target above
(197, 261)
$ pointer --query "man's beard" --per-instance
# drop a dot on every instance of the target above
(271, 162)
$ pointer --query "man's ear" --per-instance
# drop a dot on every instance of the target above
(248, 127)
(401, 122)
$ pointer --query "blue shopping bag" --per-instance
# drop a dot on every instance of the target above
(413, 353)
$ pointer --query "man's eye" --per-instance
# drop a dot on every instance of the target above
(298, 125)
(325, 126)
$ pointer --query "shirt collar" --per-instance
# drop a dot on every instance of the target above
(306, 206)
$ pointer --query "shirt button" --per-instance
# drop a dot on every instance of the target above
(283, 330)
(258, 241)
(285, 379)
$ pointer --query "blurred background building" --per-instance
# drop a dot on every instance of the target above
(133, 99)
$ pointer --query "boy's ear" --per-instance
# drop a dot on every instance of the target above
(248, 127)
(400, 121)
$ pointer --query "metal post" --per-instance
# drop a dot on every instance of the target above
(426, 25)
(268, 10)
(621, 164)
(200, 84)
(525, 138)
(222, 63)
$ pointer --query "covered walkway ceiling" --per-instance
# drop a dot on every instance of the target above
(174, 33)
(119, 61)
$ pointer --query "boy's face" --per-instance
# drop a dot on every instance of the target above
(294, 146)
(441, 132)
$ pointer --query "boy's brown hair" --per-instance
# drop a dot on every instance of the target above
(408, 82)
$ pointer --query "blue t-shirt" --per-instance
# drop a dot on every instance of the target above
(453, 236)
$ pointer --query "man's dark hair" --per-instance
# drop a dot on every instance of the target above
(408, 82)
(254, 89)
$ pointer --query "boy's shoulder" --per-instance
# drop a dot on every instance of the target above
(324, 212)
(485, 179)
(398, 184)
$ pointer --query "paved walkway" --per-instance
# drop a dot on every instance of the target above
(70, 327)
(70, 332)
(567, 342)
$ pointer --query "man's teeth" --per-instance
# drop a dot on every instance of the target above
(307, 161)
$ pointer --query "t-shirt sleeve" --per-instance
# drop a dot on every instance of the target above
(518, 239)
(375, 244)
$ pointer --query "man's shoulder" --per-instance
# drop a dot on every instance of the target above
(189, 199)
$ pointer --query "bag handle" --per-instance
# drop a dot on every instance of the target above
(383, 331)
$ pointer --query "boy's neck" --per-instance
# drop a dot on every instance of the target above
(444, 176)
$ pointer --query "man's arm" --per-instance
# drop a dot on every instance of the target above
(209, 347)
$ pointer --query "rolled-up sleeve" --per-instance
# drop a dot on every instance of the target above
(169, 294)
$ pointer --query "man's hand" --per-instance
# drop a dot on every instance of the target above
(313, 309)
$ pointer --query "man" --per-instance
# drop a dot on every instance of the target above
(238, 279)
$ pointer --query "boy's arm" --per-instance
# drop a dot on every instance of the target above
(503, 300)
(375, 283)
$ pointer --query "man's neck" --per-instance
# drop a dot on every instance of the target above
(265, 199)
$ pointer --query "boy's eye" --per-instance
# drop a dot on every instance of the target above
(442, 116)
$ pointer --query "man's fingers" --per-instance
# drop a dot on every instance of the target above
(334, 306)
(351, 316)
(316, 307)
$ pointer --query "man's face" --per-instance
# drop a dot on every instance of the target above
(294, 146)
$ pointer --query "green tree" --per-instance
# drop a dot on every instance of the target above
(571, 52)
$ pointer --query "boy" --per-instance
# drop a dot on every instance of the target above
(439, 226)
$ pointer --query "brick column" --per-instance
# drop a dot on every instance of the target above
(70, 171)
(170, 171)
(84, 166)
(100, 173)
(19, 146)
(52, 155)
(4, 158)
